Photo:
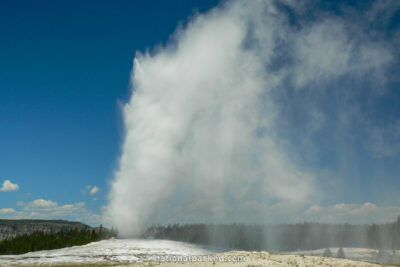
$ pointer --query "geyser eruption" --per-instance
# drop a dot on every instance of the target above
(202, 141)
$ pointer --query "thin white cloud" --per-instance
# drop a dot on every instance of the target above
(9, 186)
(20, 203)
(42, 203)
(94, 190)
(48, 209)
(7, 210)
(313, 209)
(351, 213)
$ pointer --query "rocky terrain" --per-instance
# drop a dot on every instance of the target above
(12, 228)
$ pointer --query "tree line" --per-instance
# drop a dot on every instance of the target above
(40, 240)
(282, 237)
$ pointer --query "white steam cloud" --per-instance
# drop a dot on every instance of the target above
(202, 126)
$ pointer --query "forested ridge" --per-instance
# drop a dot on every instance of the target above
(283, 237)
(13, 228)
(271, 237)
(40, 240)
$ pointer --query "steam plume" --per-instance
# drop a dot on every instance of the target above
(207, 135)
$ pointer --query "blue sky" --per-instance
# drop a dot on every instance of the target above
(65, 75)
(64, 70)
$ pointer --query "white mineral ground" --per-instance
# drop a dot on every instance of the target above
(137, 252)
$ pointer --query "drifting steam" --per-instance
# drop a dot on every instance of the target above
(209, 135)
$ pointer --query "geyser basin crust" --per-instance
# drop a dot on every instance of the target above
(267, 259)
(134, 252)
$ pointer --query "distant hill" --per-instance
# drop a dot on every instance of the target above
(13, 228)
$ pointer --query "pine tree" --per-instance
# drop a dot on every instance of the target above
(341, 254)
(327, 253)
